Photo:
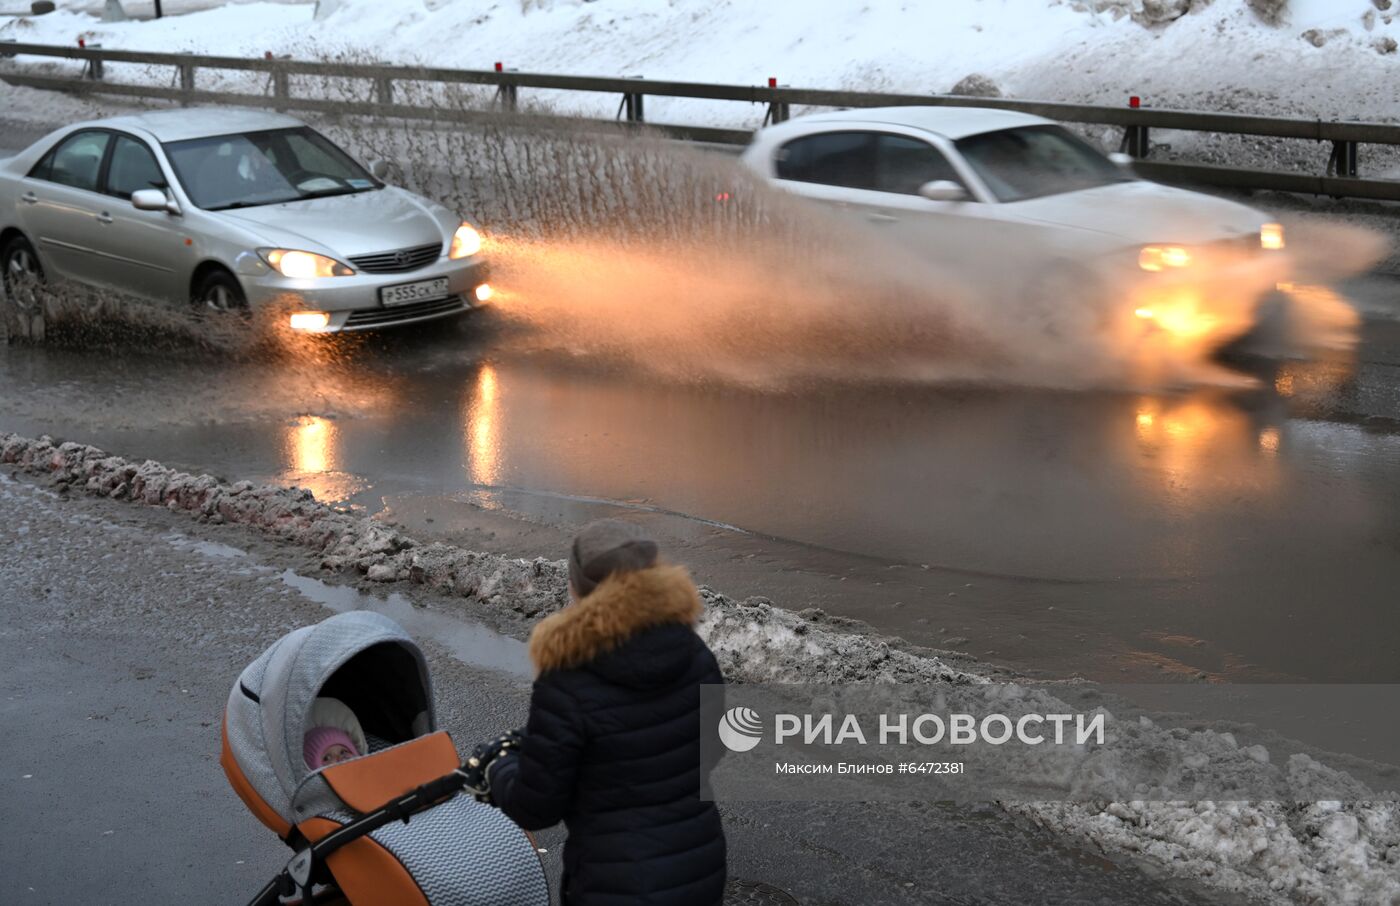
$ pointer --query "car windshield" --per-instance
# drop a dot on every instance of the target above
(1034, 161)
(258, 168)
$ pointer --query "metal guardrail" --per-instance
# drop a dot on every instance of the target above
(1341, 178)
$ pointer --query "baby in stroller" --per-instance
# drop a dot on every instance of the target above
(335, 734)
(384, 825)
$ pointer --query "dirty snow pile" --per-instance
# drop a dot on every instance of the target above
(754, 640)
(1313, 852)
(1331, 58)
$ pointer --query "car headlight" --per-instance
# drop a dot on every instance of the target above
(1161, 257)
(1271, 236)
(304, 265)
(465, 242)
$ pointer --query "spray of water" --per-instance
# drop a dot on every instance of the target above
(621, 246)
(626, 247)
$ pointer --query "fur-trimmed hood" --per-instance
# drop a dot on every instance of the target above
(621, 606)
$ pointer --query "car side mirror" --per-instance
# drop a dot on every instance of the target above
(943, 190)
(153, 200)
(1121, 160)
(386, 171)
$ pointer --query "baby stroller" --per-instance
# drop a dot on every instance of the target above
(385, 828)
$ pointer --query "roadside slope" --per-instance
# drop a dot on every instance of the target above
(1325, 58)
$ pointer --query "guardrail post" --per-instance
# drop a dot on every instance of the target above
(632, 105)
(1343, 161)
(778, 111)
(281, 84)
(93, 69)
(281, 87)
(186, 82)
(1137, 141)
(508, 98)
(384, 91)
(506, 94)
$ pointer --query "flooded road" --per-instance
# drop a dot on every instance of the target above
(1242, 535)
(1248, 534)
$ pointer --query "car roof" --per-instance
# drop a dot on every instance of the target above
(198, 122)
(949, 122)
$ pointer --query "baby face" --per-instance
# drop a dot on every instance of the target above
(336, 754)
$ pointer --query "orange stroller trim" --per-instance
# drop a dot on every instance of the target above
(388, 827)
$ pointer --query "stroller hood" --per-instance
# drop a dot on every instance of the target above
(364, 659)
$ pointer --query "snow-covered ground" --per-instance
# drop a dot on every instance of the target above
(1329, 58)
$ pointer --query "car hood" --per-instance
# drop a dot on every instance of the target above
(1139, 211)
(348, 225)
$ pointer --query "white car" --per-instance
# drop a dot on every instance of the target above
(1021, 202)
(229, 209)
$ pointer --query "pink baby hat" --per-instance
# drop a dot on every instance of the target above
(322, 738)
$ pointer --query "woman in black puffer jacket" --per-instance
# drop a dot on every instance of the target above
(612, 747)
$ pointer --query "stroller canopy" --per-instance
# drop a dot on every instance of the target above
(361, 658)
(458, 852)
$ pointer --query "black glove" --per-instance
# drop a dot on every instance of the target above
(478, 782)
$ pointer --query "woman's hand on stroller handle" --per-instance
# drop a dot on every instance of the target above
(474, 770)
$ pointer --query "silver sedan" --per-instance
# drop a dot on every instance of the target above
(229, 210)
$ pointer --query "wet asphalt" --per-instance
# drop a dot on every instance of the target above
(125, 626)
(1241, 535)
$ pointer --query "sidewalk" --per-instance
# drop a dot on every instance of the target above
(121, 629)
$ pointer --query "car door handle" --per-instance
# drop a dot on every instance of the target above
(876, 217)
(29, 198)
(104, 218)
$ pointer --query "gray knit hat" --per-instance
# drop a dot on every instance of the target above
(605, 547)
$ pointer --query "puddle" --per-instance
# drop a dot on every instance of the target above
(471, 643)
(207, 548)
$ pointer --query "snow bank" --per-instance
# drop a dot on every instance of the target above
(1318, 852)
(1306, 57)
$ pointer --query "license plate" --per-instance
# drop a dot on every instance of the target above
(413, 292)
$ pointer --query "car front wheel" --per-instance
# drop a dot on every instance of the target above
(219, 294)
(23, 278)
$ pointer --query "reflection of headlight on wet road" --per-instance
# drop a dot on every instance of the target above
(311, 445)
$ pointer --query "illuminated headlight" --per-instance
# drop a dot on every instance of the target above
(1161, 257)
(465, 242)
(310, 320)
(1271, 236)
(304, 265)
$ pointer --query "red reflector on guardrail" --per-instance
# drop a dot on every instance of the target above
(1135, 102)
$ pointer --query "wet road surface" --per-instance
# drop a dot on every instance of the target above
(1245, 534)
(124, 627)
